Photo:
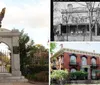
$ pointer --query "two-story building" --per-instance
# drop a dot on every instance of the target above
(76, 20)
(76, 60)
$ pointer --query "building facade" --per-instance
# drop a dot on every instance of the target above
(76, 20)
(76, 60)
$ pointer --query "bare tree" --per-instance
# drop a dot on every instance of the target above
(90, 6)
(66, 19)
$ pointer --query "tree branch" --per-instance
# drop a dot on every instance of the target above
(81, 4)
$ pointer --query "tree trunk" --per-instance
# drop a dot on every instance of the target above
(90, 25)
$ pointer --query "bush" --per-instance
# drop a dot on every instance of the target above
(59, 75)
(42, 76)
(78, 75)
(30, 76)
(37, 69)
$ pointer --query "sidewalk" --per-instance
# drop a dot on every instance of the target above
(76, 38)
(35, 83)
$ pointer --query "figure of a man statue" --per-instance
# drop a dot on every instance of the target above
(2, 13)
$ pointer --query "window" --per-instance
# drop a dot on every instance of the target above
(73, 59)
(84, 61)
(93, 61)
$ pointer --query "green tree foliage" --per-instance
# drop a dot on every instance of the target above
(27, 53)
(52, 47)
(25, 47)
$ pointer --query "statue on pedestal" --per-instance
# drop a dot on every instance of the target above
(2, 13)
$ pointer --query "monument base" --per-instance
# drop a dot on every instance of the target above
(7, 78)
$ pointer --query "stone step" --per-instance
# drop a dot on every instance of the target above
(5, 74)
(11, 77)
(12, 80)
(7, 77)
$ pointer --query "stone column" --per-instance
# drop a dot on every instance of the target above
(89, 76)
(95, 29)
(15, 57)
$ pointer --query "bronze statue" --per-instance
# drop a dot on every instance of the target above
(2, 13)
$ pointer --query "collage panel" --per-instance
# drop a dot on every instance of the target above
(75, 21)
(74, 63)
(24, 42)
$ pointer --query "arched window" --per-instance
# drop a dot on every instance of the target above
(73, 59)
(93, 74)
(93, 61)
(73, 70)
(84, 61)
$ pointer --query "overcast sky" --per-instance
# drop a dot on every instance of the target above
(84, 46)
(31, 15)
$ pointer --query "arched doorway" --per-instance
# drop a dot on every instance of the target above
(5, 58)
(11, 39)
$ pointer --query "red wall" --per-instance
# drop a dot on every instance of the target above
(78, 60)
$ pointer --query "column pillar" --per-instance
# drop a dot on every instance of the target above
(15, 57)
(96, 29)
(89, 76)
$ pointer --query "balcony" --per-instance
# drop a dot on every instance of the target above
(73, 63)
(94, 65)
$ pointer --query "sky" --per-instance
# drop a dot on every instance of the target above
(31, 15)
(83, 46)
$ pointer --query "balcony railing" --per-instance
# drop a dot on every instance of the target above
(94, 65)
(73, 63)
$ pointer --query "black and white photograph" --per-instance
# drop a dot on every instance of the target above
(75, 21)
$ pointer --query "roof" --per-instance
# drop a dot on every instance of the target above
(61, 51)
(79, 10)
(4, 30)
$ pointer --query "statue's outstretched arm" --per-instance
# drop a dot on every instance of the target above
(2, 13)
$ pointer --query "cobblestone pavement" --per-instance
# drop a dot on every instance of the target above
(36, 83)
